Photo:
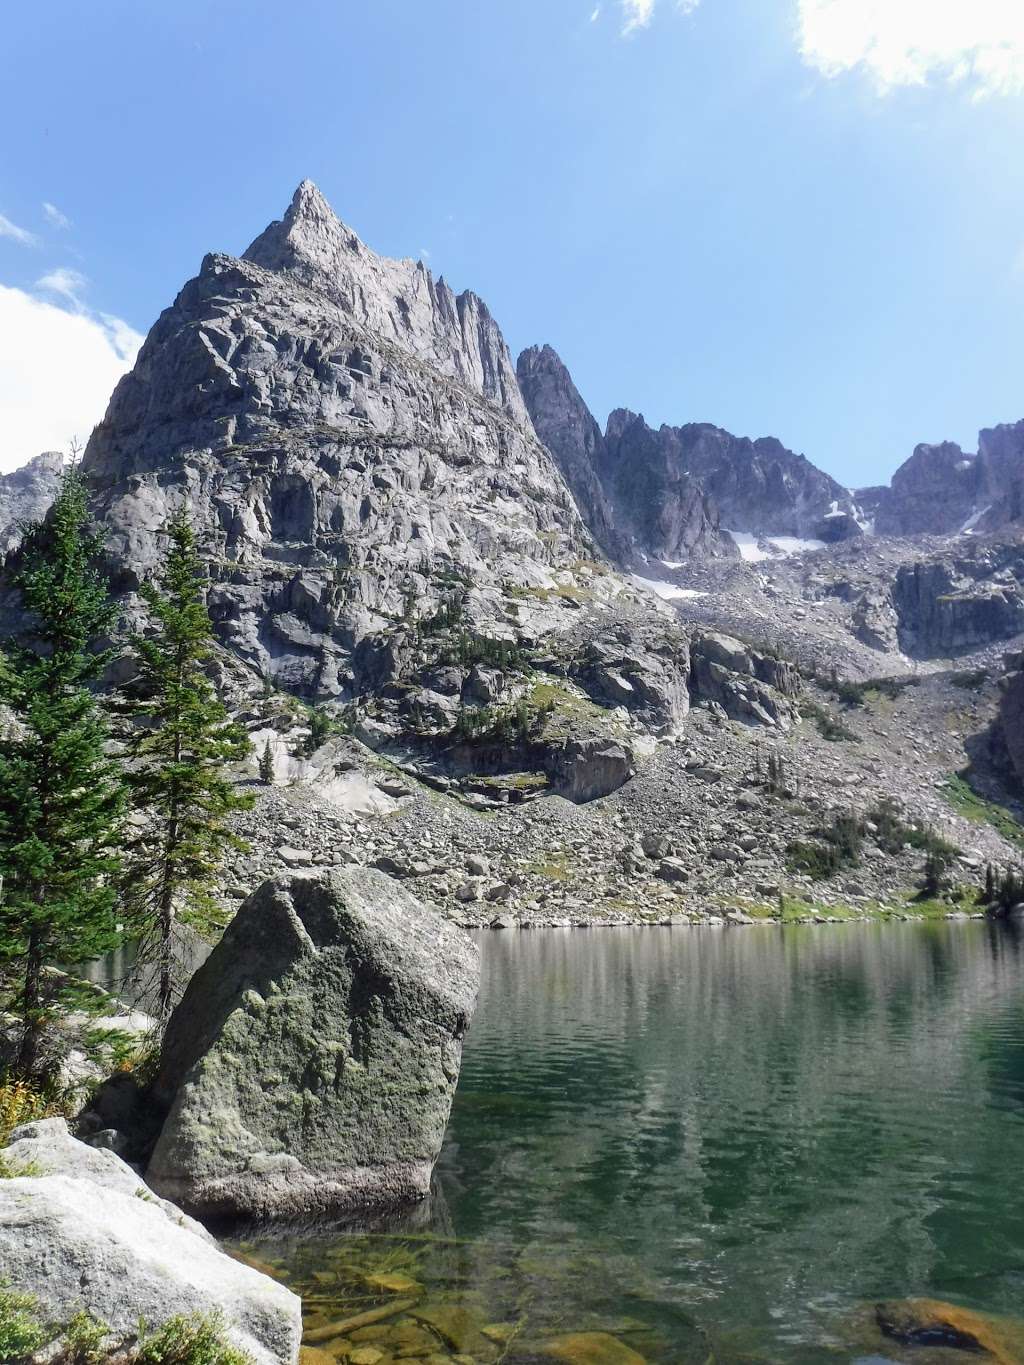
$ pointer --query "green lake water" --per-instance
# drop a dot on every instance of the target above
(722, 1144)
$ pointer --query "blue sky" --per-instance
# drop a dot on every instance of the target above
(802, 218)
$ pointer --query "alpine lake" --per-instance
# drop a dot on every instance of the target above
(713, 1146)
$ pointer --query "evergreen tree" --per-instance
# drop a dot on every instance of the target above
(267, 765)
(61, 798)
(182, 745)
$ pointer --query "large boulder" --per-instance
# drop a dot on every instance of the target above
(583, 770)
(311, 1064)
(80, 1231)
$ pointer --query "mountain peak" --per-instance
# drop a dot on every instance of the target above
(310, 240)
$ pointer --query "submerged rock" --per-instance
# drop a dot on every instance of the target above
(311, 1064)
(930, 1322)
(591, 1348)
(80, 1231)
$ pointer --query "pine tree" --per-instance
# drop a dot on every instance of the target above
(182, 745)
(267, 765)
(62, 800)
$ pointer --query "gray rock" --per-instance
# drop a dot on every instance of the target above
(674, 870)
(26, 495)
(295, 857)
(585, 769)
(311, 1065)
(87, 1234)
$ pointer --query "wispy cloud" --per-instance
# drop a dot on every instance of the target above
(17, 234)
(94, 352)
(54, 217)
(595, 14)
(68, 283)
(977, 44)
(637, 14)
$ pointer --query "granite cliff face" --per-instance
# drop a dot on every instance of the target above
(677, 493)
(379, 518)
(26, 495)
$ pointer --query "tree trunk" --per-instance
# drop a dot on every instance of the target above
(166, 951)
(28, 1055)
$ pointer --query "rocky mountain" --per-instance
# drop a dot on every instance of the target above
(383, 529)
(680, 492)
(26, 495)
(941, 490)
(692, 637)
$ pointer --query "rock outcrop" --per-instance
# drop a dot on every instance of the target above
(1008, 733)
(569, 430)
(943, 490)
(748, 684)
(947, 605)
(26, 495)
(80, 1231)
(311, 1064)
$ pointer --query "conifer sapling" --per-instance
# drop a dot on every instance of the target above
(183, 744)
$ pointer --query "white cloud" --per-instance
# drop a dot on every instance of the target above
(975, 43)
(57, 371)
(54, 217)
(68, 283)
(17, 234)
(595, 14)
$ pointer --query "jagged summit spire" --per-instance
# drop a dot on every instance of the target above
(308, 240)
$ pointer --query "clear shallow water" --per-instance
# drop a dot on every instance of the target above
(721, 1145)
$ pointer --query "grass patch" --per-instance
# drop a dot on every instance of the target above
(561, 706)
(966, 802)
(554, 869)
(21, 1103)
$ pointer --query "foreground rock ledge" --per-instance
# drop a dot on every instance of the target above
(81, 1231)
(311, 1064)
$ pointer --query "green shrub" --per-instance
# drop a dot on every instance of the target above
(819, 861)
(829, 726)
(1004, 888)
(82, 1341)
(196, 1340)
(857, 693)
(834, 847)
(939, 857)
(20, 1330)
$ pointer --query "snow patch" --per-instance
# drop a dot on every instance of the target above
(669, 592)
(968, 527)
(747, 545)
(754, 549)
